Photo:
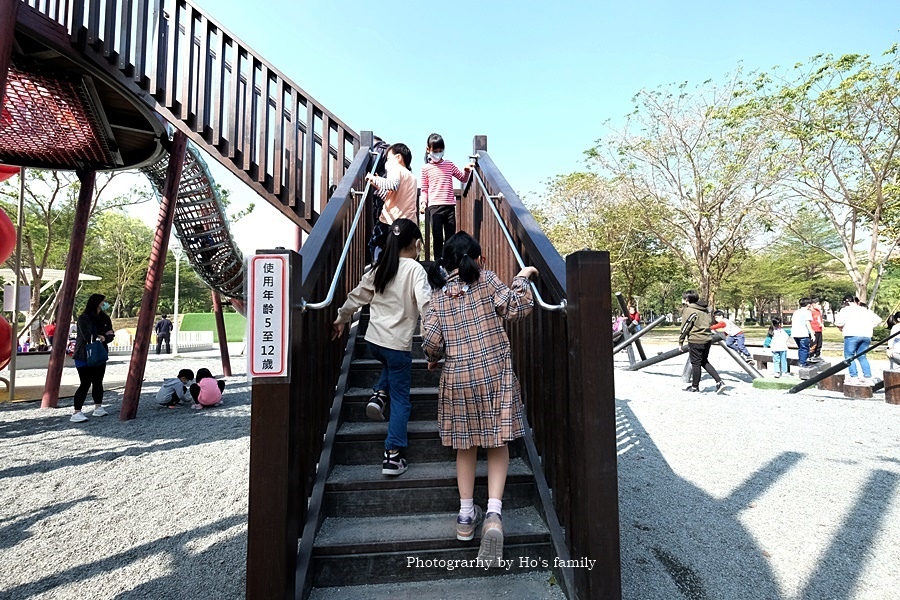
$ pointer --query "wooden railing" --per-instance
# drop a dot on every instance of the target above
(230, 101)
(564, 363)
(290, 415)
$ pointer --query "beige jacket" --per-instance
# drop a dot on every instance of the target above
(399, 203)
(394, 313)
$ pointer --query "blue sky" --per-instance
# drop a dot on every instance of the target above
(538, 78)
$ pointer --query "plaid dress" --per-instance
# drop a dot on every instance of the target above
(479, 399)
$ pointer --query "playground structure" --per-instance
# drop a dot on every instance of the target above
(116, 69)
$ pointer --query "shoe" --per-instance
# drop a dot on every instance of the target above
(777, 375)
(750, 361)
(691, 388)
(196, 406)
(375, 407)
(720, 387)
(99, 411)
(219, 403)
(491, 549)
(465, 526)
(79, 417)
(394, 463)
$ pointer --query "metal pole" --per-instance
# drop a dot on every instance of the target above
(20, 224)
(637, 335)
(178, 252)
(739, 360)
(658, 358)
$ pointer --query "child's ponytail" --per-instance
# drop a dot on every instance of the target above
(401, 234)
(461, 252)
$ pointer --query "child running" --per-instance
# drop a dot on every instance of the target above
(777, 339)
(479, 400)
(438, 201)
(397, 292)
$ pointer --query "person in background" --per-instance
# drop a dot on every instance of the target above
(815, 348)
(801, 329)
(777, 340)
(634, 317)
(695, 322)
(93, 325)
(438, 199)
(50, 331)
(399, 191)
(856, 324)
(163, 334)
(176, 390)
(893, 349)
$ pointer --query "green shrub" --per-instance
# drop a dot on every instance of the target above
(880, 332)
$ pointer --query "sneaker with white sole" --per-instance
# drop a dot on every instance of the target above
(99, 411)
(79, 417)
(491, 550)
(720, 387)
(375, 407)
(394, 463)
(466, 526)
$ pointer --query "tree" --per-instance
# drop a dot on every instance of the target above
(699, 172)
(840, 119)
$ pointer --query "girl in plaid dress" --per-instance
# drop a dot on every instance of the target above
(479, 401)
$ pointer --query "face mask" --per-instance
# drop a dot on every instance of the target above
(104, 306)
(436, 156)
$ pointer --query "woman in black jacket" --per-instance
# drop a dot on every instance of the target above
(93, 325)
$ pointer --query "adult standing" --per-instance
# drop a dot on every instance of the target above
(856, 324)
(163, 333)
(695, 323)
(802, 331)
(93, 325)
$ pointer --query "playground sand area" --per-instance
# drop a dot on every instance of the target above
(747, 494)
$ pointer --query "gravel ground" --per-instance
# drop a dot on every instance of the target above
(749, 494)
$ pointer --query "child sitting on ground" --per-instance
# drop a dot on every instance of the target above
(207, 391)
(174, 391)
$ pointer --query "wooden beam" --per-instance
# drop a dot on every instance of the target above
(64, 312)
(8, 11)
(223, 337)
(154, 279)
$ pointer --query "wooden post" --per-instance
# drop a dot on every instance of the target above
(150, 299)
(50, 399)
(892, 387)
(274, 513)
(594, 530)
(8, 11)
(223, 336)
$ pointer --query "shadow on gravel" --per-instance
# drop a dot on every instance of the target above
(193, 574)
(680, 542)
(15, 530)
(677, 540)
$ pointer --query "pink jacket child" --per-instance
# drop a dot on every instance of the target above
(207, 391)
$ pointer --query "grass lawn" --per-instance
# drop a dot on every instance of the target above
(235, 325)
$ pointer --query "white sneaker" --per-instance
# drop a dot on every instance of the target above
(79, 417)
(99, 411)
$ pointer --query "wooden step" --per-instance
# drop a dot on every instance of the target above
(352, 490)
(386, 548)
(535, 585)
(424, 404)
(364, 373)
(362, 443)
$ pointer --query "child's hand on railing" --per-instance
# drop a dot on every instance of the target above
(469, 167)
(527, 272)
(337, 330)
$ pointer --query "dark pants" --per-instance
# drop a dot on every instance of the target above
(91, 377)
(802, 350)
(195, 389)
(443, 225)
(163, 337)
(395, 379)
(817, 343)
(700, 360)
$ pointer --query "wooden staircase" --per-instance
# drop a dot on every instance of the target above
(395, 535)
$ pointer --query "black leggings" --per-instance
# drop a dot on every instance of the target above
(700, 359)
(91, 377)
(443, 225)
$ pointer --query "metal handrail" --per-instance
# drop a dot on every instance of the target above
(304, 305)
(561, 307)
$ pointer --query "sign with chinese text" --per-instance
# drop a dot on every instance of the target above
(269, 321)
